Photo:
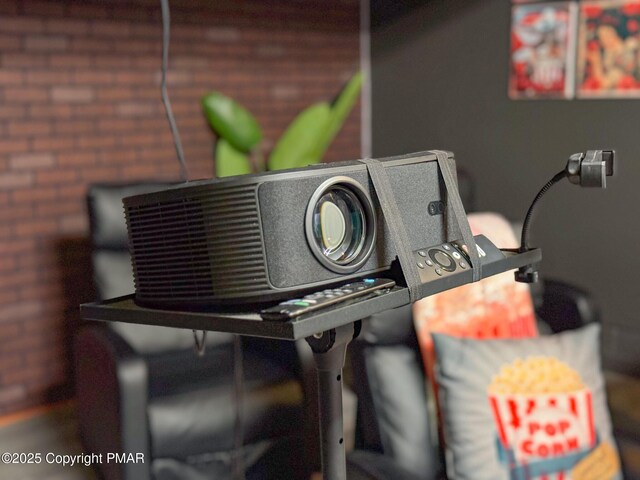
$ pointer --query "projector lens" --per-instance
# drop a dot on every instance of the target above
(341, 225)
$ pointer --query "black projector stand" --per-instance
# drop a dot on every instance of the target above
(328, 333)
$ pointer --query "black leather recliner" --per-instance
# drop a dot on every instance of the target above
(144, 390)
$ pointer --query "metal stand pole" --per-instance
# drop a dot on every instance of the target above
(329, 350)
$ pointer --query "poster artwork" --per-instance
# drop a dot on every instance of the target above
(542, 50)
(609, 49)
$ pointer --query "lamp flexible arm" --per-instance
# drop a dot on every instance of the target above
(524, 241)
(589, 169)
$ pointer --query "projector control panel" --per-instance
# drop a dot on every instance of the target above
(451, 258)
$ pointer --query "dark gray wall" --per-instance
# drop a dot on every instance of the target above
(440, 81)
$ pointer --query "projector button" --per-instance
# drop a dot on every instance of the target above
(420, 265)
(446, 247)
(430, 263)
(463, 265)
(422, 253)
(456, 255)
(438, 271)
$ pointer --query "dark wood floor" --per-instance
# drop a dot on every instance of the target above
(52, 432)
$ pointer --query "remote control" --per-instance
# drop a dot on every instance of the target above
(310, 303)
(452, 258)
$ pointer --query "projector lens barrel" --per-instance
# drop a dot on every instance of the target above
(340, 225)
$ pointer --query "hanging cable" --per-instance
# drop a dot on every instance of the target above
(166, 26)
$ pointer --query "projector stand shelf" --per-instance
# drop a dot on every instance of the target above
(328, 333)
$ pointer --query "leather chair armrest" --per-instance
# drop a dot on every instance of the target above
(565, 307)
(111, 388)
(366, 465)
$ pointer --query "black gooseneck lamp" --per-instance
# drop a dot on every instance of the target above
(589, 169)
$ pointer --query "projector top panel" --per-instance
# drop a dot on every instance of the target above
(176, 190)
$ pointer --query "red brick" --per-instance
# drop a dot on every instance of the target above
(76, 127)
(118, 29)
(46, 177)
(133, 109)
(28, 161)
(68, 26)
(7, 263)
(77, 158)
(102, 141)
(16, 212)
(53, 144)
(45, 43)
(139, 78)
(15, 180)
(31, 7)
(20, 24)
(77, 191)
(115, 61)
(94, 77)
(25, 95)
(28, 128)
(116, 94)
(92, 45)
(61, 94)
(94, 110)
(91, 11)
(13, 247)
(47, 77)
(33, 195)
(22, 60)
(11, 77)
(12, 395)
(19, 310)
(12, 361)
(74, 224)
(35, 228)
(70, 60)
(12, 111)
(50, 111)
(59, 208)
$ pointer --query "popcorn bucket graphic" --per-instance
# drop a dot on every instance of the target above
(543, 434)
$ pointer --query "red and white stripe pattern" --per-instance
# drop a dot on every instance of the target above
(544, 426)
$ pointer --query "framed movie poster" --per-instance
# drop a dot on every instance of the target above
(609, 49)
(542, 50)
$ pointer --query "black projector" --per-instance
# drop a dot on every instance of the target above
(268, 236)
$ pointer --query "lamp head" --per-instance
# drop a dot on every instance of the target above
(590, 169)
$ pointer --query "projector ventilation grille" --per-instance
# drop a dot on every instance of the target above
(192, 248)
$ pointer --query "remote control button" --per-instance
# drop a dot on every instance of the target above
(347, 290)
(446, 247)
(301, 304)
(438, 271)
(329, 295)
(310, 301)
(369, 280)
(420, 265)
(430, 263)
(289, 302)
(443, 259)
(360, 288)
(422, 253)
(456, 255)
(338, 294)
(463, 265)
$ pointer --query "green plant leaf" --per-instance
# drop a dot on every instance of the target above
(230, 161)
(231, 121)
(295, 146)
(340, 110)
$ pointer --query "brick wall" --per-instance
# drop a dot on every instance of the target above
(79, 103)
